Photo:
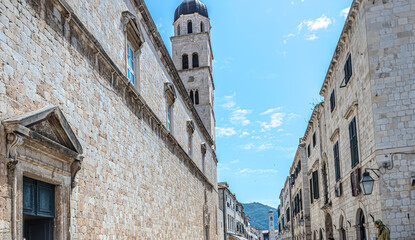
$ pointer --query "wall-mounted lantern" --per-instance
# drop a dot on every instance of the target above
(366, 184)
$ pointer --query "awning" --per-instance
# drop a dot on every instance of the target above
(235, 237)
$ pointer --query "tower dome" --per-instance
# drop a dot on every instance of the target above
(190, 7)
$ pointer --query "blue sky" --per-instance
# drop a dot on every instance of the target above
(271, 57)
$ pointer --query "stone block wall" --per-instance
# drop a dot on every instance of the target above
(391, 48)
(134, 183)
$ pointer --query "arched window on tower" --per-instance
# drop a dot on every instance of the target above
(178, 30)
(197, 97)
(185, 61)
(202, 27)
(192, 96)
(195, 59)
(189, 27)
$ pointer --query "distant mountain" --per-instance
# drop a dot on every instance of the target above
(258, 213)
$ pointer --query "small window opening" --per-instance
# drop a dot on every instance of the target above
(190, 27)
(195, 59)
(185, 61)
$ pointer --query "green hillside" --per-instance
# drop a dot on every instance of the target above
(258, 213)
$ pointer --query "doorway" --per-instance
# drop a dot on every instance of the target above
(361, 225)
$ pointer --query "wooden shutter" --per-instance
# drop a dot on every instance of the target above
(354, 151)
(311, 190)
(316, 185)
(301, 200)
(337, 161)
(355, 180)
(348, 70)
(38, 198)
(332, 101)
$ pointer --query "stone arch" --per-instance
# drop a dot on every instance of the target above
(361, 220)
(329, 226)
(342, 227)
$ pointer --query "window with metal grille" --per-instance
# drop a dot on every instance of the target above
(332, 101)
(354, 149)
(185, 61)
(336, 161)
(348, 70)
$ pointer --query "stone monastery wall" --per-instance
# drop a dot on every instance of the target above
(137, 180)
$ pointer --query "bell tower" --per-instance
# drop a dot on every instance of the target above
(271, 225)
(192, 56)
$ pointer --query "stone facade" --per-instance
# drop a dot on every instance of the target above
(197, 78)
(377, 95)
(132, 176)
(235, 223)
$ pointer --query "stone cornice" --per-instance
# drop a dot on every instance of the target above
(171, 69)
(313, 117)
(354, 9)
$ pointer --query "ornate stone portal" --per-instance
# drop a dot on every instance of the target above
(42, 146)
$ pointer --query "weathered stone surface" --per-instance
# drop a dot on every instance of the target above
(136, 182)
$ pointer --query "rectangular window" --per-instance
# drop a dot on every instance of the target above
(308, 151)
(130, 64)
(314, 140)
(311, 190)
(354, 150)
(332, 101)
(336, 161)
(316, 185)
(348, 70)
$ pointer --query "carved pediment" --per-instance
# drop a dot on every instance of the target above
(132, 27)
(170, 93)
(190, 126)
(49, 127)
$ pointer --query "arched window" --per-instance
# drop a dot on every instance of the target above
(192, 96)
(197, 97)
(195, 59)
(178, 30)
(202, 27)
(185, 61)
(189, 27)
(362, 221)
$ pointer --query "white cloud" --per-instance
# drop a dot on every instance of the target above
(244, 134)
(238, 117)
(248, 146)
(271, 110)
(221, 132)
(276, 121)
(235, 161)
(311, 37)
(344, 12)
(322, 22)
(229, 103)
(256, 171)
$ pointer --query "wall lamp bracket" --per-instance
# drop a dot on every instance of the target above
(375, 171)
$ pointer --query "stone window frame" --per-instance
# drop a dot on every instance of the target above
(203, 149)
(170, 94)
(190, 130)
(54, 160)
(134, 39)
